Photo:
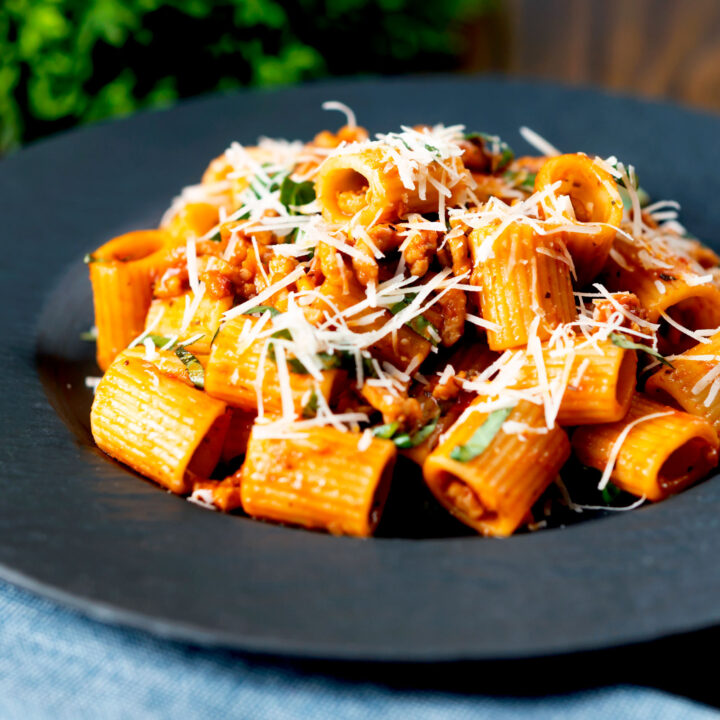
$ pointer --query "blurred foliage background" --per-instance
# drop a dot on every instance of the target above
(64, 62)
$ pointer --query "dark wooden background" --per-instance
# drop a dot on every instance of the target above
(654, 48)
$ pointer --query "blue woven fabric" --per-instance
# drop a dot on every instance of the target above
(57, 664)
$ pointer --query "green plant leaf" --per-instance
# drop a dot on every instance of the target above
(499, 152)
(385, 431)
(194, 367)
(622, 342)
(406, 441)
(482, 437)
(294, 194)
(260, 309)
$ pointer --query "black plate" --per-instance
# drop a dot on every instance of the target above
(82, 529)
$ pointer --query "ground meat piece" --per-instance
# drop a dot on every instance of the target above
(420, 250)
(449, 390)
(351, 202)
(385, 238)
(603, 308)
(452, 305)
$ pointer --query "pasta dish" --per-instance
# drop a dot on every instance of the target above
(311, 310)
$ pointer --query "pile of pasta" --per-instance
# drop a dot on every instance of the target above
(309, 311)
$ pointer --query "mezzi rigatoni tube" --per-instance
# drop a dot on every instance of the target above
(367, 185)
(122, 273)
(523, 277)
(599, 380)
(596, 206)
(156, 424)
(237, 372)
(493, 491)
(318, 479)
(692, 383)
(653, 452)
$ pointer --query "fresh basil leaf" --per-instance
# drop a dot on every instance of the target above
(622, 342)
(90, 258)
(283, 334)
(609, 493)
(326, 361)
(216, 237)
(368, 368)
(160, 341)
(482, 437)
(499, 152)
(385, 431)
(260, 309)
(406, 440)
(521, 179)
(402, 304)
(259, 186)
(310, 408)
(194, 367)
(295, 366)
(643, 197)
(294, 194)
(420, 325)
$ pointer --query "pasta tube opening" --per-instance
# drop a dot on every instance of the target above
(132, 247)
(625, 386)
(595, 200)
(694, 312)
(688, 463)
(592, 191)
(455, 493)
(654, 451)
(351, 192)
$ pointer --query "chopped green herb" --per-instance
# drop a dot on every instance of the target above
(482, 437)
(499, 152)
(160, 341)
(216, 237)
(368, 367)
(406, 440)
(385, 431)
(521, 179)
(90, 258)
(283, 334)
(609, 493)
(643, 197)
(310, 408)
(89, 335)
(326, 361)
(622, 342)
(194, 368)
(215, 334)
(293, 194)
(260, 185)
(402, 304)
(260, 309)
(420, 323)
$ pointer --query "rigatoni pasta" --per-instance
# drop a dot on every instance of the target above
(312, 312)
(653, 451)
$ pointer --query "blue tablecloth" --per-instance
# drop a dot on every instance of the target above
(57, 664)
